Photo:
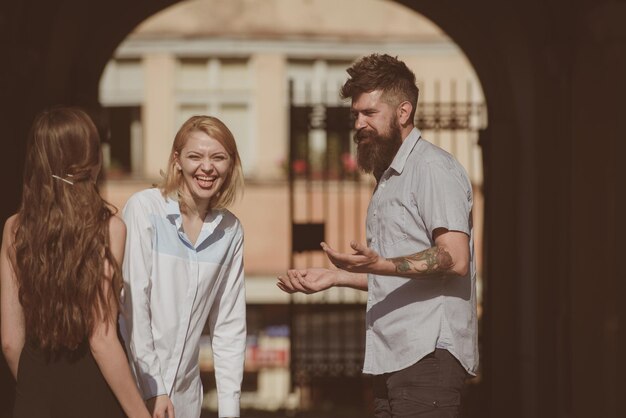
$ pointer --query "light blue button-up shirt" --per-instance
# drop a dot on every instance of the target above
(425, 188)
(171, 289)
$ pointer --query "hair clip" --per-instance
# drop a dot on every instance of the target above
(62, 179)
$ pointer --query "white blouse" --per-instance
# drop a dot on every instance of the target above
(171, 288)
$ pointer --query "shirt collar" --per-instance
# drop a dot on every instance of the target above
(405, 150)
(171, 207)
(211, 221)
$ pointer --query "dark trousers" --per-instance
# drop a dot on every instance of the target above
(431, 388)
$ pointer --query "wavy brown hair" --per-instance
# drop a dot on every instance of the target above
(172, 185)
(62, 236)
(382, 72)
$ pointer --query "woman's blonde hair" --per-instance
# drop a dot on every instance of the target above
(62, 234)
(172, 184)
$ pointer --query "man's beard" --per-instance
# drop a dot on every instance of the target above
(376, 151)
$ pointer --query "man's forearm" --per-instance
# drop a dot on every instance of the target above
(432, 262)
(352, 280)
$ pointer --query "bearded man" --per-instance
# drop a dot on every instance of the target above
(421, 325)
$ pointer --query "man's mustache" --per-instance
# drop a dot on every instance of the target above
(363, 134)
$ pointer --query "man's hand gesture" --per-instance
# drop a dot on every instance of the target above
(363, 260)
(307, 281)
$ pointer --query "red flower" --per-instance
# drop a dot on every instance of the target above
(298, 166)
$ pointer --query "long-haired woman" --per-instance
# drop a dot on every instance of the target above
(183, 267)
(61, 279)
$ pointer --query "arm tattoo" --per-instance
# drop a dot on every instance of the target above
(430, 261)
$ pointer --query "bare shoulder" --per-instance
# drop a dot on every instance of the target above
(8, 234)
(117, 237)
(117, 229)
(117, 225)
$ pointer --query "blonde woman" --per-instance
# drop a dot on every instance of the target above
(61, 279)
(184, 267)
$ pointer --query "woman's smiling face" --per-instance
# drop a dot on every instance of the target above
(205, 165)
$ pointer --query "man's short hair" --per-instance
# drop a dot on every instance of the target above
(382, 72)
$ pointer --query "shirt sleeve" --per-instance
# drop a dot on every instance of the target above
(227, 324)
(136, 313)
(444, 197)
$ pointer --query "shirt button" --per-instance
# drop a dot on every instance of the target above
(373, 240)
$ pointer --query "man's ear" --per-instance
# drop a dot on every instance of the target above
(404, 111)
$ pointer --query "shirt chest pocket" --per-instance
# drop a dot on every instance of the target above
(392, 222)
